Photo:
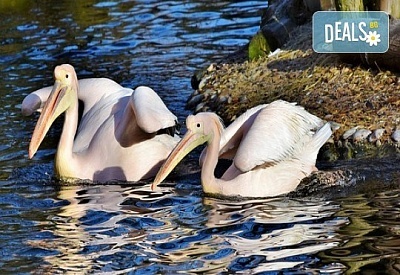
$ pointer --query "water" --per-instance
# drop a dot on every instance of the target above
(50, 228)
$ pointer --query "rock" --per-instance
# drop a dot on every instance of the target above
(334, 126)
(200, 107)
(258, 47)
(396, 135)
(376, 135)
(349, 133)
(194, 101)
(361, 135)
(203, 82)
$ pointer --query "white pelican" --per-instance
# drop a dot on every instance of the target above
(90, 91)
(120, 134)
(273, 147)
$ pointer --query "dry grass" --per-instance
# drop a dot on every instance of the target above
(346, 94)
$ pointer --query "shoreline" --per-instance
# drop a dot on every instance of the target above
(362, 103)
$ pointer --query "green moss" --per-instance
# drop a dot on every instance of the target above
(350, 5)
(258, 47)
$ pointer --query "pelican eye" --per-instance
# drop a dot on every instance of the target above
(198, 125)
(66, 76)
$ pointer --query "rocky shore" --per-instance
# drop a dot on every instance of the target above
(362, 103)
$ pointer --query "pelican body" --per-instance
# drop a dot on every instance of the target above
(273, 147)
(120, 136)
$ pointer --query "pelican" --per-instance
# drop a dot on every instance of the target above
(272, 146)
(93, 92)
(90, 91)
(121, 135)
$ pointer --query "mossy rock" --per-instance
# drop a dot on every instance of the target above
(350, 5)
(258, 46)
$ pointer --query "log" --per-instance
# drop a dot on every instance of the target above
(388, 60)
(350, 5)
(392, 7)
(282, 17)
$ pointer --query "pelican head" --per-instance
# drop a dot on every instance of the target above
(62, 96)
(201, 128)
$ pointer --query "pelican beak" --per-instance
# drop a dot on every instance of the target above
(189, 142)
(52, 109)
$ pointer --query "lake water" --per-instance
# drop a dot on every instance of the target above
(49, 228)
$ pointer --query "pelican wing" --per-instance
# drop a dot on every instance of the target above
(99, 114)
(151, 113)
(35, 101)
(231, 137)
(91, 90)
(278, 132)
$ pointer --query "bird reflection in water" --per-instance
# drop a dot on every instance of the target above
(131, 228)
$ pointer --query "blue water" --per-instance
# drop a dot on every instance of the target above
(47, 227)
